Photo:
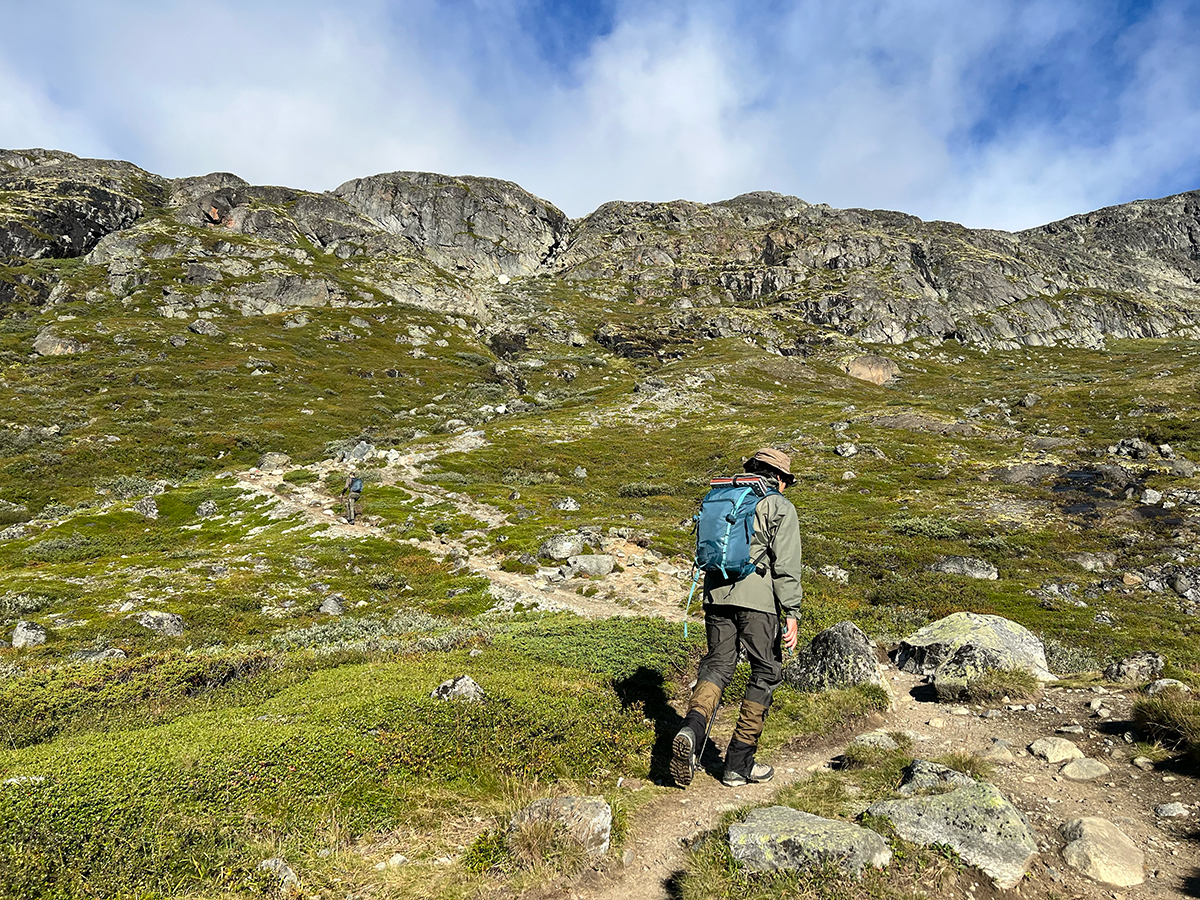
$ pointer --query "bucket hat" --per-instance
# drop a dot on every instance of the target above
(777, 460)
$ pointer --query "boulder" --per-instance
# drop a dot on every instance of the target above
(562, 546)
(28, 634)
(12, 532)
(1055, 750)
(1094, 562)
(779, 837)
(594, 565)
(875, 369)
(205, 327)
(164, 623)
(976, 821)
(274, 460)
(1144, 666)
(1030, 400)
(331, 606)
(1101, 851)
(924, 650)
(587, 819)
(207, 509)
(1173, 810)
(846, 450)
(566, 504)
(462, 687)
(47, 343)
(922, 776)
(146, 507)
(968, 566)
(876, 740)
(839, 656)
(1083, 769)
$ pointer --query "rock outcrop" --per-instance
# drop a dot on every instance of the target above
(840, 656)
(1003, 641)
(779, 837)
(586, 819)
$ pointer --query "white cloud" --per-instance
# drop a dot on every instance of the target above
(989, 113)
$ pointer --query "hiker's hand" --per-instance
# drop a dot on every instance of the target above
(791, 634)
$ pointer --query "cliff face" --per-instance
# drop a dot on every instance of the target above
(216, 244)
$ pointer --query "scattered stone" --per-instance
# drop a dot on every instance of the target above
(1084, 769)
(779, 837)
(1144, 666)
(976, 821)
(177, 340)
(587, 819)
(1055, 750)
(567, 504)
(846, 450)
(205, 327)
(164, 623)
(1145, 763)
(206, 509)
(952, 678)
(146, 507)
(1102, 852)
(968, 566)
(562, 546)
(997, 752)
(1151, 497)
(594, 565)
(1069, 729)
(1094, 562)
(580, 472)
(93, 656)
(277, 867)
(1170, 810)
(1163, 684)
(28, 634)
(1030, 400)
(876, 740)
(840, 656)
(921, 776)
(12, 532)
(835, 574)
(463, 687)
(924, 650)
(274, 460)
(331, 606)
(875, 369)
(936, 722)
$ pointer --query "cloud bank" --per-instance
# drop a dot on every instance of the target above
(995, 114)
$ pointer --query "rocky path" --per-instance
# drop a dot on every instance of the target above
(655, 856)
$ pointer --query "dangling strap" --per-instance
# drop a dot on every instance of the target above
(687, 609)
(729, 520)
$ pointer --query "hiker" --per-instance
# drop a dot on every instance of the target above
(352, 492)
(747, 610)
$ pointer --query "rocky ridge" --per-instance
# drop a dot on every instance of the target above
(210, 245)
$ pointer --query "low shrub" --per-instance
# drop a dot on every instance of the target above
(996, 684)
(1172, 718)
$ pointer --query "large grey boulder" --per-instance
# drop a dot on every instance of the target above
(47, 343)
(840, 656)
(976, 821)
(164, 623)
(463, 687)
(1102, 852)
(480, 226)
(587, 819)
(274, 460)
(922, 776)
(594, 565)
(28, 634)
(968, 566)
(1016, 647)
(952, 678)
(779, 837)
(1144, 666)
(562, 546)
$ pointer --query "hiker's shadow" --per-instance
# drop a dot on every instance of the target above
(645, 686)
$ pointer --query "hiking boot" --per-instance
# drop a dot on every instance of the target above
(683, 756)
(758, 772)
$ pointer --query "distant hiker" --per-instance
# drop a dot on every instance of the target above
(747, 589)
(352, 492)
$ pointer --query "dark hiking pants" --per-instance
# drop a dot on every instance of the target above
(757, 632)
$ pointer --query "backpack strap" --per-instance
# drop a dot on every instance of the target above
(729, 520)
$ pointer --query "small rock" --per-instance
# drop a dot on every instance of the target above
(1163, 684)
(331, 606)
(207, 509)
(28, 634)
(164, 623)
(587, 819)
(1030, 400)
(1170, 810)
(47, 343)
(871, 368)
(146, 507)
(1084, 769)
(1144, 666)
(1145, 763)
(996, 752)
(580, 472)
(1151, 497)
(1069, 729)
(846, 450)
(1055, 750)
(461, 688)
(877, 740)
(91, 656)
(936, 723)
(274, 460)
(567, 504)
(968, 566)
(276, 866)
(840, 656)
(594, 565)
(205, 327)
(562, 547)
(835, 574)
(1102, 852)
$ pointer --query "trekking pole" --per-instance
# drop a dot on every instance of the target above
(687, 608)
(707, 728)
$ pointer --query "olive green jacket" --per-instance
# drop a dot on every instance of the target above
(775, 586)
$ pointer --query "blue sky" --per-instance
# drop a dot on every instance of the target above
(996, 114)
